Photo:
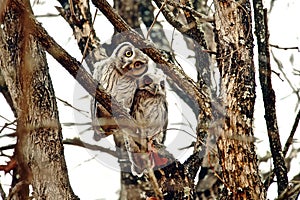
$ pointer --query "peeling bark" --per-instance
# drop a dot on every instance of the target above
(235, 61)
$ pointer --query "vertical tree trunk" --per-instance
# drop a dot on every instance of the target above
(39, 148)
(235, 61)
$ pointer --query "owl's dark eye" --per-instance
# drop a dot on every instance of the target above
(162, 84)
(147, 80)
(128, 53)
(138, 65)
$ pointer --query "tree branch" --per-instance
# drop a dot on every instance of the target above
(269, 98)
(270, 177)
(284, 48)
(78, 142)
(80, 20)
(6, 94)
(191, 11)
(2, 193)
(76, 69)
(292, 134)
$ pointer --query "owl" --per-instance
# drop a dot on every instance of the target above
(149, 109)
(118, 75)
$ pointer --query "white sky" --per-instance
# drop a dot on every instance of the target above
(90, 176)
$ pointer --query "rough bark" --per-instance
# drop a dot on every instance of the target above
(269, 98)
(129, 11)
(235, 61)
(39, 148)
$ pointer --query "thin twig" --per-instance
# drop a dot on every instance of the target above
(4, 118)
(277, 74)
(3, 195)
(292, 134)
(7, 147)
(202, 17)
(88, 39)
(154, 184)
(155, 19)
(47, 15)
(289, 192)
(80, 143)
(6, 125)
(280, 67)
(284, 48)
(83, 112)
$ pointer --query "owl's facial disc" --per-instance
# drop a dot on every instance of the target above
(138, 68)
(135, 67)
(153, 87)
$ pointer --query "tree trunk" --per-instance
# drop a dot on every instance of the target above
(235, 61)
(39, 148)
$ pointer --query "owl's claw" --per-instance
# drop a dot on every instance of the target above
(156, 159)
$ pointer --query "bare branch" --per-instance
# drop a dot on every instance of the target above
(75, 69)
(2, 193)
(6, 125)
(202, 17)
(8, 147)
(6, 94)
(289, 192)
(70, 105)
(292, 134)
(269, 98)
(77, 14)
(284, 48)
(280, 67)
(80, 143)
(155, 19)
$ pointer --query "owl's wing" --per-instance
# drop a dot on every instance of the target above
(161, 136)
(100, 117)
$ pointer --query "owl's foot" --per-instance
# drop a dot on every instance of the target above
(155, 157)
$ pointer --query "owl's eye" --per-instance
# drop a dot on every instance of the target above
(162, 84)
(138, 65)
(147, 80)
(128, 53)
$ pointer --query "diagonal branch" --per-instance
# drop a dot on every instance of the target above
(76, 69)
(78, 16)
(287, 145)
(269, 98)
(80, 143)
(291, 136)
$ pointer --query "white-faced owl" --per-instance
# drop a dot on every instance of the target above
(118, 75)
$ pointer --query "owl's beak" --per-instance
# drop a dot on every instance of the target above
(157, 90)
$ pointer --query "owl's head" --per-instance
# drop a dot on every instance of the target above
(132, 61)
(154, 82)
